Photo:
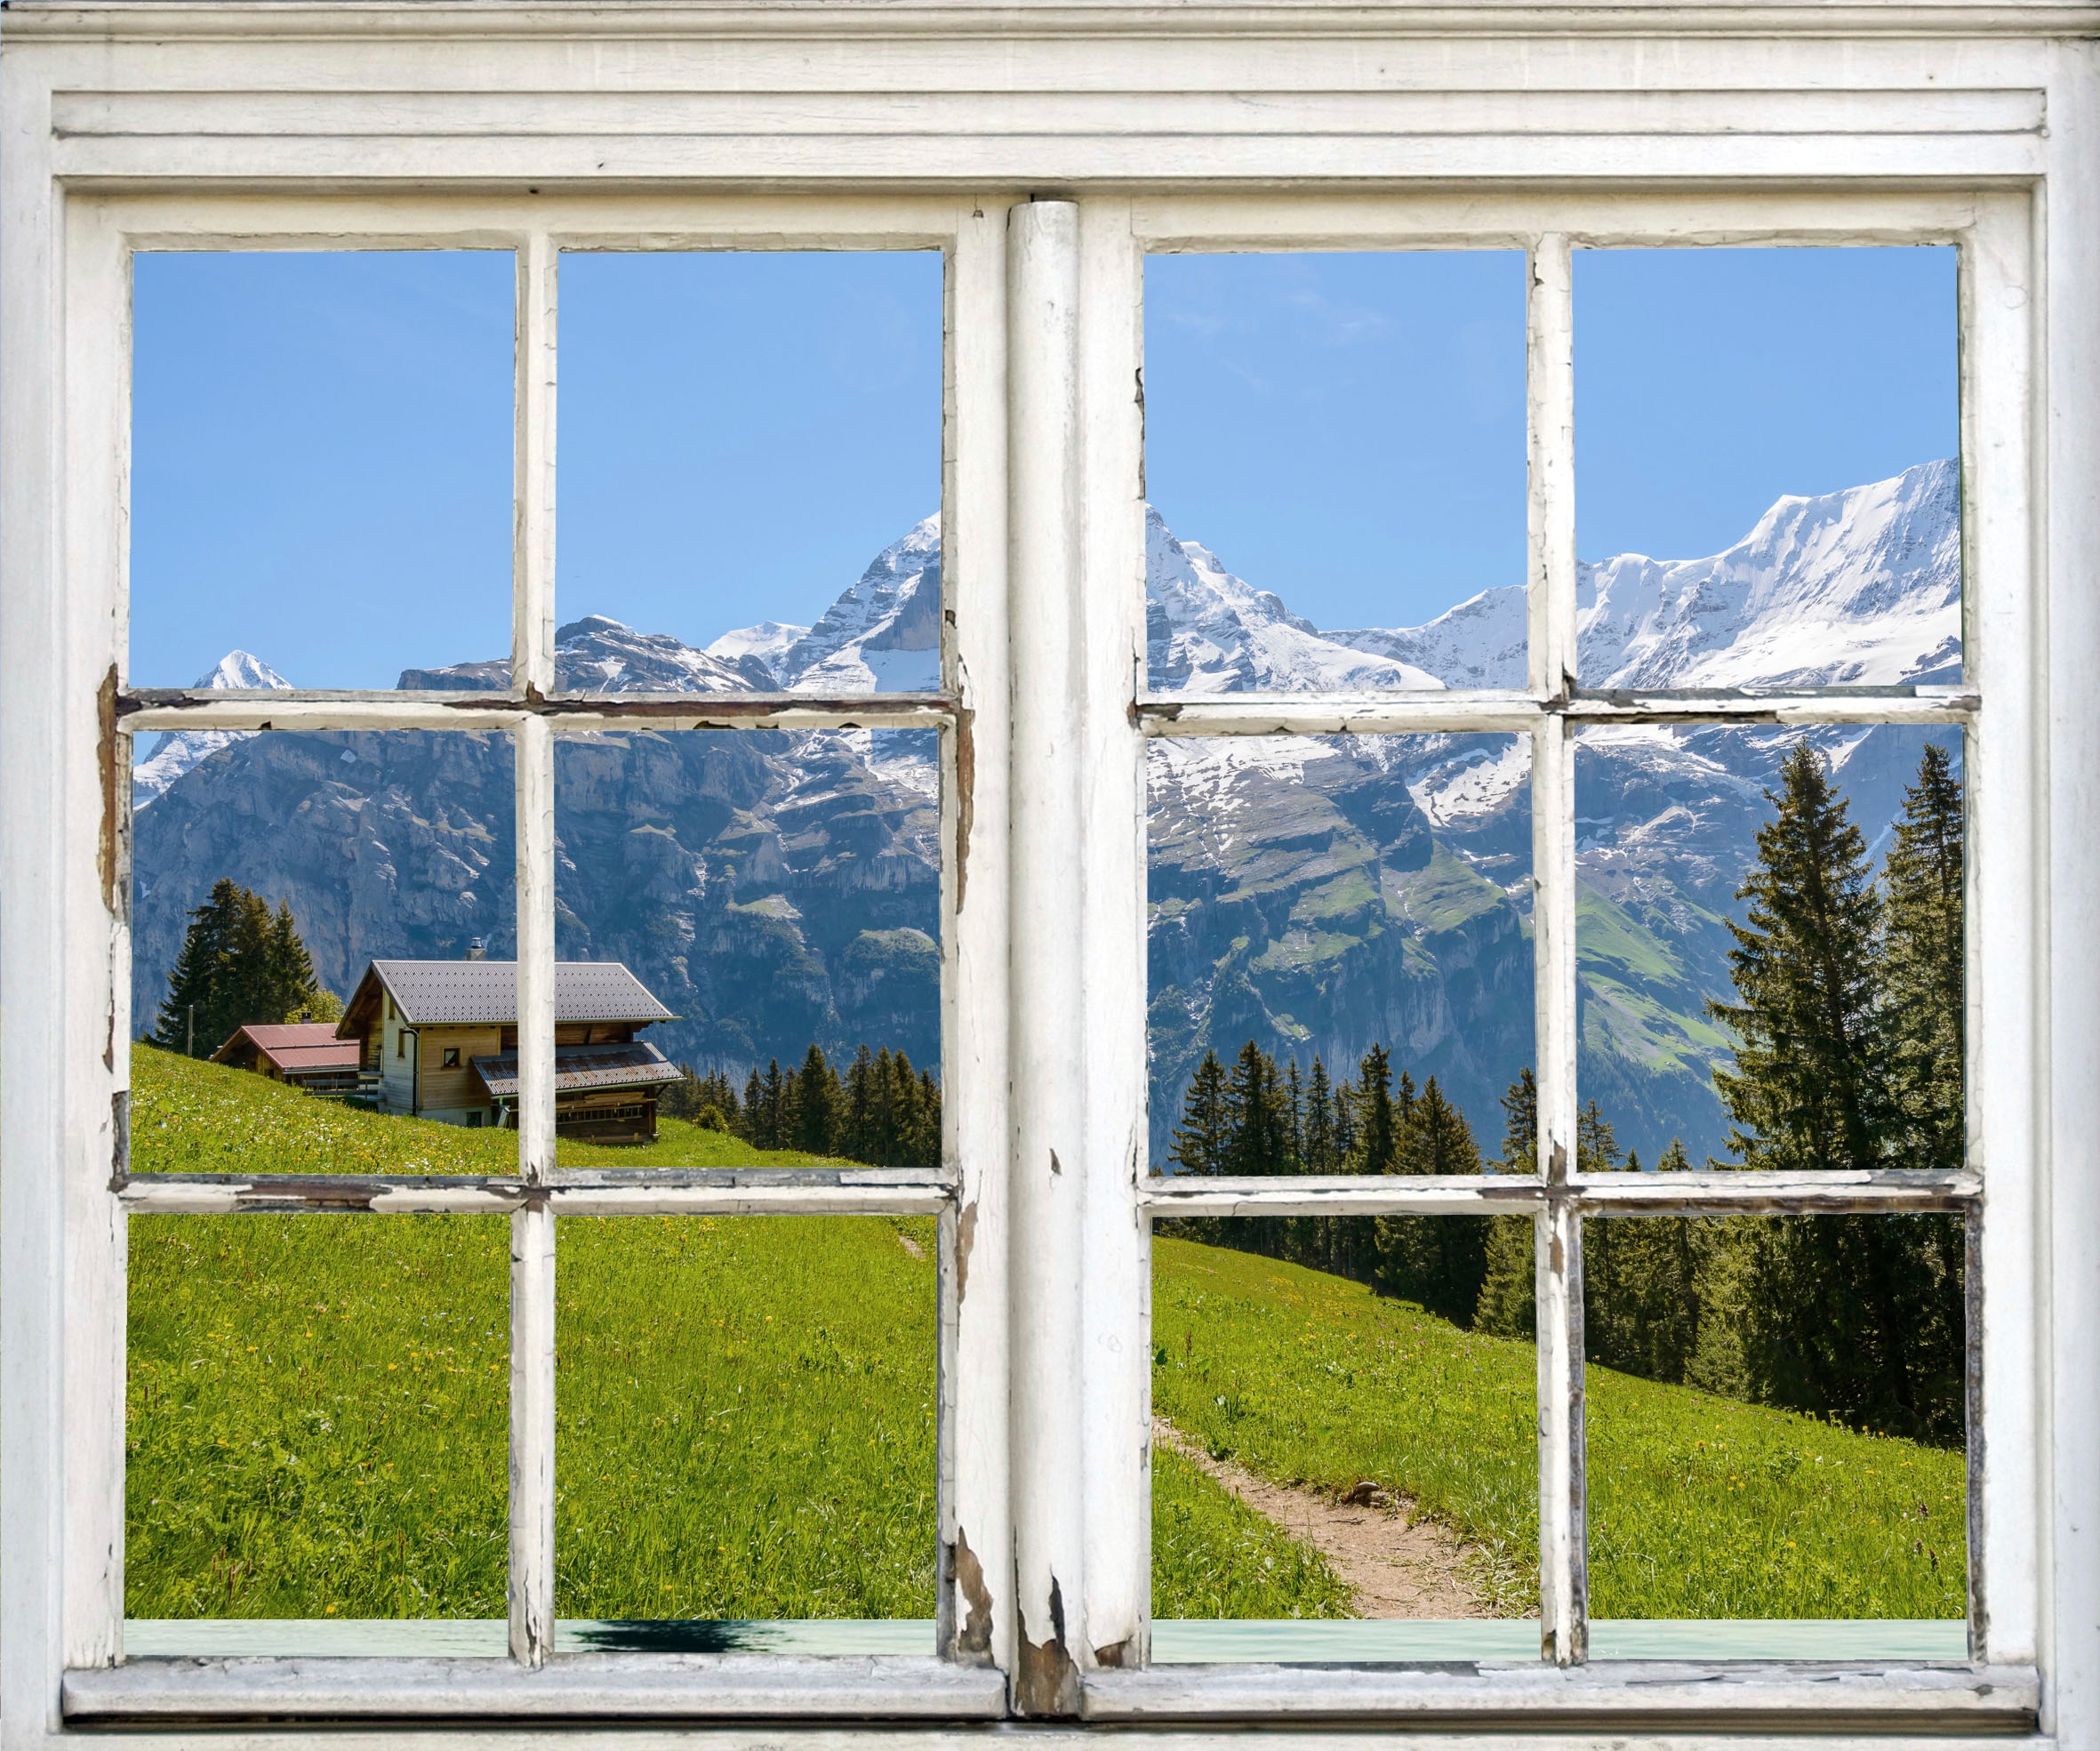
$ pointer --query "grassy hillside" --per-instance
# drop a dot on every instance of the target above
(318, 1410)
(318, 1405)
(1701, 1507)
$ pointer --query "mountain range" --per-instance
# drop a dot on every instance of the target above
(1315, 894)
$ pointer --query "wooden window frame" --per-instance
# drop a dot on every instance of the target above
(179, 126)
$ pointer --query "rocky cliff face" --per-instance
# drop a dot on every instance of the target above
(771, 888)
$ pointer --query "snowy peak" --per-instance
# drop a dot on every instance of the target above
(1861, 587)
(769, 640)
(600, 655)
(1209, 631)
(237, 672)
(883, 634)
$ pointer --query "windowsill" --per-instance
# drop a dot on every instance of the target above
(1650, 1696)
(572, 1687)
(489, 1638)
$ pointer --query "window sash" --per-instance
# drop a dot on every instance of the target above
(1076, 1362)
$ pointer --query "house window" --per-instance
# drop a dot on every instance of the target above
(1108, 1332)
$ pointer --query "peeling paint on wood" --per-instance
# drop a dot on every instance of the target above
(965, 1237)
(965, 798)
(974, 1637)
(116, 785)
(1047, 1683)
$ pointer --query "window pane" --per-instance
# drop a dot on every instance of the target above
(750, 471)
(321, 467)
(1322, 1451)
(1775, 1430)
(304, 908)
(1340, 942)
(746, 1427)
(1793, 415)
(318, 1421)
(1335, 454)
(775, 901)
(1769, 936)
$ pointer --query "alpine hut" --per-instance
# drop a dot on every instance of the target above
(438, 1040)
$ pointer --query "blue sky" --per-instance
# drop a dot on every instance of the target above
(1348, 429)
(321, 444)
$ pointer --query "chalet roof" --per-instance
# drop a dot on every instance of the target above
(459, 993)
(293, 1046)
(618, 1066)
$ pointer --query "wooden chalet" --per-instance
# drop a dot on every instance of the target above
(308, 1055)
(438, 1040)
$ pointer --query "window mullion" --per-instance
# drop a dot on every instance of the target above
(1550, 312)
(531, 1228)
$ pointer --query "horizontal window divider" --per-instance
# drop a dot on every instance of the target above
(589, 1192)
(173, 710)
(1458, 712)
(1651, 1695)
(569, 1687)
(1891, 1193)
(1343, 1194)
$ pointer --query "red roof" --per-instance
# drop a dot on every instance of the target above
(294, 1046)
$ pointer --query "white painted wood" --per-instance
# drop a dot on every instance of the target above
(532, 1436)
(1685, 1697)
(1049, 113)
(2004, 758)
(1550, 378)
(603, 1687)
(1472, 712)
(532, 617)
(1600, 1194)
(1116, 1372)
(1129, 151)
(1548, 311)
(531, 1589)
(977, 1604)
(2068, 1126)
(644, 1195)
(94, 1071)
(41, 728)
(1046, 879)
(572, 714)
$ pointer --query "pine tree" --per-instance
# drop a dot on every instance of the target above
(1438, 1262)
(1253, 1115)
(1847, 1315)
(1809, 1089)
(817, 1104)
(750, 1122)
(926, 1145)
(1923, 970)
(861, 1096)
(1377, 1124)
(239, 964)
(773, 1126)
(1509, 1288)
(1320, 1155)
(1200, 1140)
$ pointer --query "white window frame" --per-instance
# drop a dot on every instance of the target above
(533, 127)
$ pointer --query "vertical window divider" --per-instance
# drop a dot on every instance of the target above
(1550, 391)
(532, 1227)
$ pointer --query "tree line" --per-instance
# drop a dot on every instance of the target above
(241, 963)
(1848, 1018)
(881, 1113)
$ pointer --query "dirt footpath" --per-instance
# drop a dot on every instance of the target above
(1398, 1566)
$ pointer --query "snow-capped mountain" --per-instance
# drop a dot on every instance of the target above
(1857, 588)
(1314, 894)
(883, 634)
(185, 748)
(1208, 631)
(769, 640)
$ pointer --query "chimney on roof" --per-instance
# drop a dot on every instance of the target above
(477, 950)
